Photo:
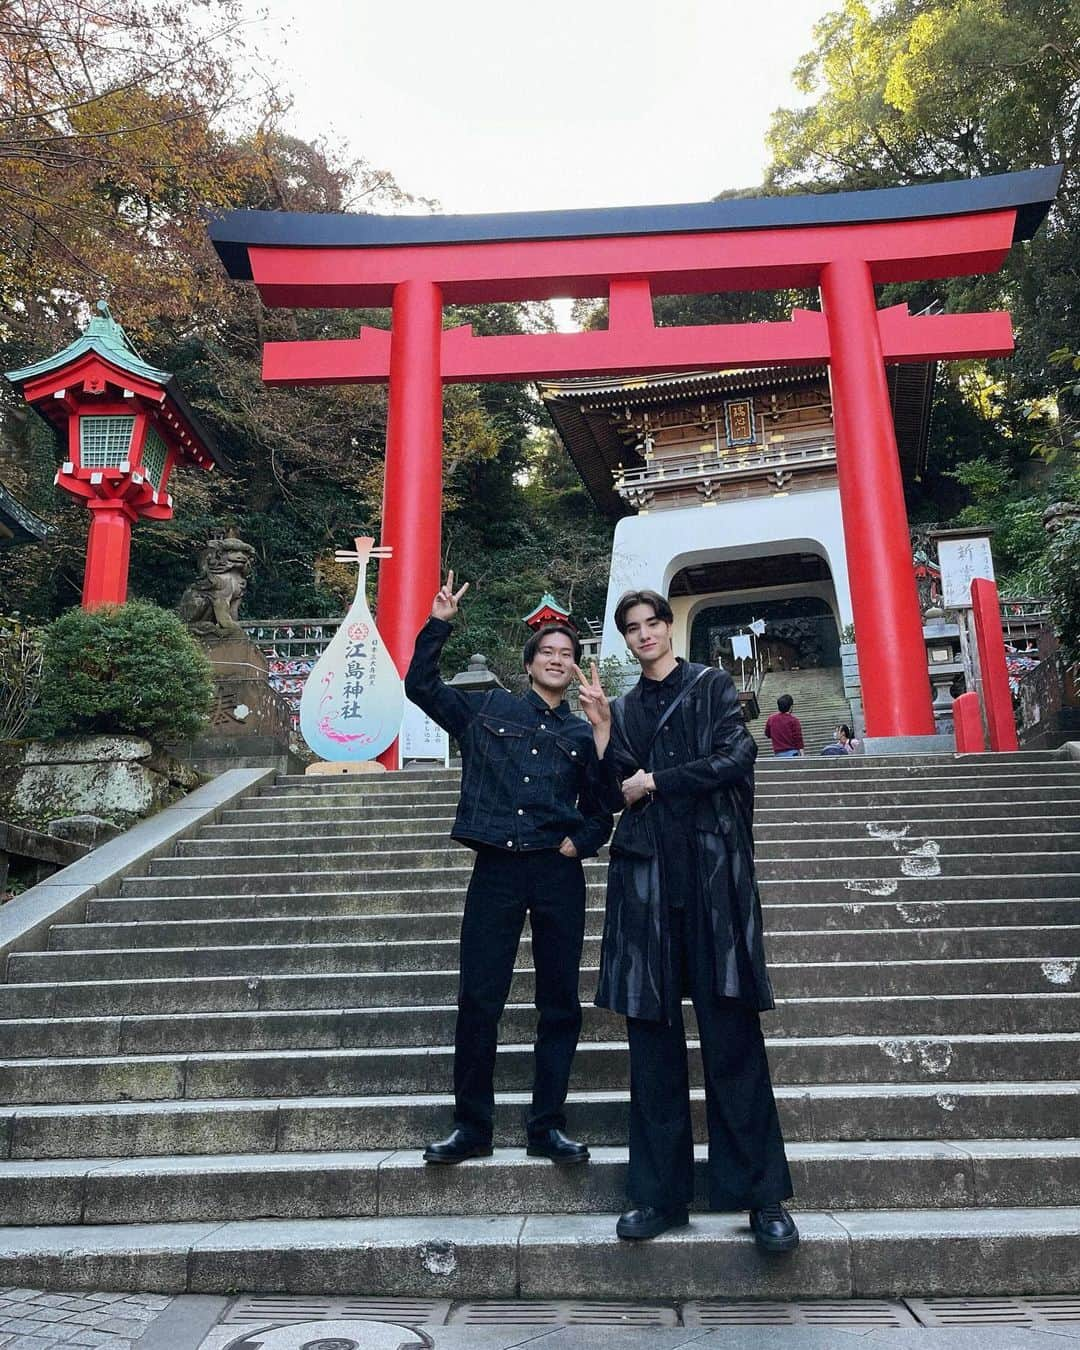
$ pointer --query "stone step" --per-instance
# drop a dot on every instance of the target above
(924, 1174)
(863, 1253)
(803, 979)
(803, 815)
(334, 953)
(948, 876)
(906, 896)
(916, 859)
(96, 1034)
(375, 989)
(768, 847)
(411, 833)
(360, 948)
(922, 766)
(853, 788)
(167, 923)
(985, 758)
(808, 1113)
(603, 1065)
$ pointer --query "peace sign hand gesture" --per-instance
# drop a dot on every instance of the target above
(591, 696)
(445, 604)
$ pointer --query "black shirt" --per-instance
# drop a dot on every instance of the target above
(673, 803)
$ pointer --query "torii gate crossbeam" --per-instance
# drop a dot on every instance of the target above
(844, 244)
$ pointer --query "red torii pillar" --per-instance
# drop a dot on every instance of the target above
(884, 598)
(412, 489)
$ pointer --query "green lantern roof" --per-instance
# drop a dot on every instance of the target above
(547, 601)
(105, 337)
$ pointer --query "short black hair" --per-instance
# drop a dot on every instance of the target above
(660, 607)
(528, 655)
(785, 703)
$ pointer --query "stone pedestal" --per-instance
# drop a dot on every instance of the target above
(250, 723)
(121, 778)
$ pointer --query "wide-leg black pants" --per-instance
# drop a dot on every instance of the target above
(747, 1166)
(504, 888)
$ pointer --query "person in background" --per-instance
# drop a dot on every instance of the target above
(784, 730)
(843, 742)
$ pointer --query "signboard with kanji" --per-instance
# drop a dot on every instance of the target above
(962, 560)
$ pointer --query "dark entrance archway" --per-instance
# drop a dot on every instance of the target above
(800, 633)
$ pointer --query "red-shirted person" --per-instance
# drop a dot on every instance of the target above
(784, 730)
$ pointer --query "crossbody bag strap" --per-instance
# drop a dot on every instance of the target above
(676, 702)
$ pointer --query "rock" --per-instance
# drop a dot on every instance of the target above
(120, 778)
(175, 770)
(88, 750)
(84, 829)
(125, 790)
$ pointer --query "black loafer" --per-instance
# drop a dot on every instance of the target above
(553, 1144)
(649, 1222)
(774, 1229)
(456, 1147)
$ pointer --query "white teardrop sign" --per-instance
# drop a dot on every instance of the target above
(353, 701)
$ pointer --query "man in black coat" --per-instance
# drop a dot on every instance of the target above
(529, 806)
(684, 919)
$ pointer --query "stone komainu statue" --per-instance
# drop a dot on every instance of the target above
(213, 600)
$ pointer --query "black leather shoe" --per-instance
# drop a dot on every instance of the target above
(554, 1144)
(649, 1222)
(774, 1229)
(456, 1147)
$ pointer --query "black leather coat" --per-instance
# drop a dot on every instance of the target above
(633, 956)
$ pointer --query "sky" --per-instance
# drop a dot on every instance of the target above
(499, 105)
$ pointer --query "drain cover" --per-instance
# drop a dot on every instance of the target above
(563, 1313)
(1047, 1311)
(284, 1308)
(324, 1334)
(843, 1313)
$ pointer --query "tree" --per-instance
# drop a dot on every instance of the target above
(910, 91)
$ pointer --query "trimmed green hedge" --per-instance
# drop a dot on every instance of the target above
(130, 668)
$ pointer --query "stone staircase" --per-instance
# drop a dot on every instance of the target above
(223, 1078)
(819, 705)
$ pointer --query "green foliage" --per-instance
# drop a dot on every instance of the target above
(910, 91)
(1014, 510)
(1063, 572)
(611, 671)
(123, 668)
(20, 675)
(529, 527)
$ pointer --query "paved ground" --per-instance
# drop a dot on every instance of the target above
(33, 1320)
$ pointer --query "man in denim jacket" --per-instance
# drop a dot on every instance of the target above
(529, 808)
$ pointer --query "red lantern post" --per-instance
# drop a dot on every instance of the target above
(126, 427)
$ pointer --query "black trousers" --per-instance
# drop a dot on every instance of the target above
(747, 1165)
(504, 888)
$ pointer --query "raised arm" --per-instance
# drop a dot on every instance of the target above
(423, 684)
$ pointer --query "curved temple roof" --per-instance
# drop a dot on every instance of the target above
(1030, 193)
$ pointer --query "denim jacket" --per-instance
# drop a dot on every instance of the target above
(529, 773)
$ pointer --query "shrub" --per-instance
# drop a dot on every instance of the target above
(123, 668)
(1063, 568)
(20, 675)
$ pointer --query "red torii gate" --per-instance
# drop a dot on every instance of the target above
(844, 244)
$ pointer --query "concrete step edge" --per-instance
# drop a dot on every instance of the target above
(842, 1254)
